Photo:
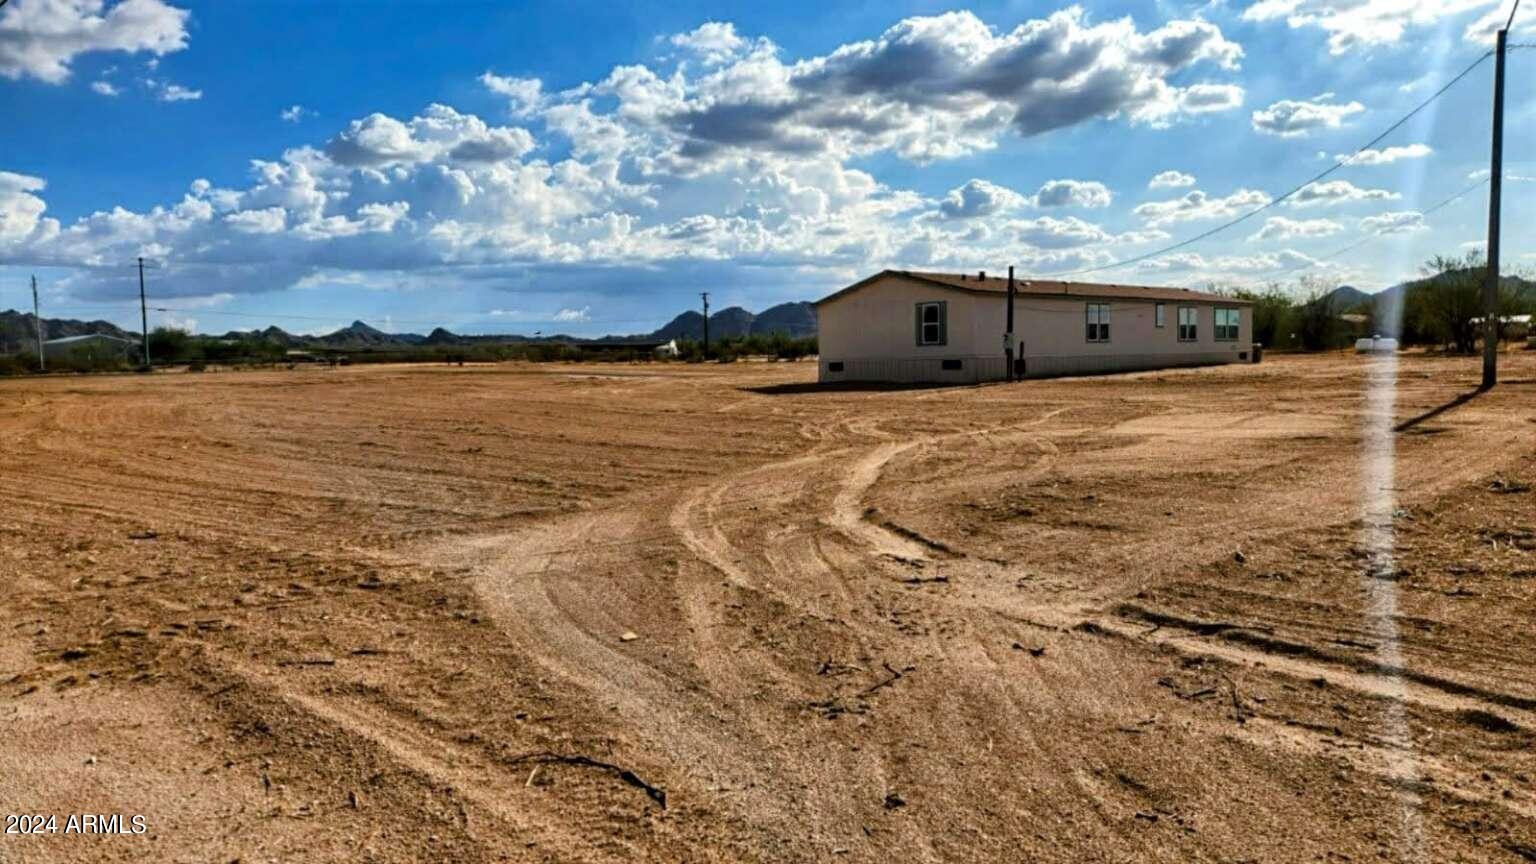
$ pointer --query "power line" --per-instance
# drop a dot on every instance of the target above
(1368, 238)
(1277, 201)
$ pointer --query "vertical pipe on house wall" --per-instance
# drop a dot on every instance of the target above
(1008, 341)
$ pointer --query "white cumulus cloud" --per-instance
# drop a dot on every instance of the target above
(1073, 193)
(566, 316)
(523, 95)
(21, 210)
(1290, 118)
(177, 93)
(1281, 228)
(1387, 155)
(1171, 180)
(731, 164)
(714, 42)
(1400, 222)
(1359, 23)
(979, 198)
(1196, 205)
(41, 38)
(1046, 232)
(1332, 192)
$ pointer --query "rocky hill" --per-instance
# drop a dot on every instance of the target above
(17, 332)
(1345, 298)
(792, 319)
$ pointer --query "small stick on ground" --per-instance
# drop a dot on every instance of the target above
(895, 676)
(655, 793)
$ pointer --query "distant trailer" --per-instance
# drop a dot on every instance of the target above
(89, 344)
(1376, 345)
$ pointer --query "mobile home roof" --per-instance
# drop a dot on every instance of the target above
(1044, 288)
(70, 340)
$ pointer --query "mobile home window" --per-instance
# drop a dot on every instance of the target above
(1160, 315)
(1226, 324)
(1098, 322)
(931, 323)
(1189, 327)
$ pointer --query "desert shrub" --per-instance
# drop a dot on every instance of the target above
(730, 348)
(172, 345)
(17, 364)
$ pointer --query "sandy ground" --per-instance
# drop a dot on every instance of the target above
(612, 613)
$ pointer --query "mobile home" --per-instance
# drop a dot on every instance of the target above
(908, 327)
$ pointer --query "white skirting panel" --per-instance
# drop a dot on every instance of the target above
(977, 369)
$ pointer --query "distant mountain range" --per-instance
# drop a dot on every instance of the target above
(792, 319)
(1345, 298)
(1387, 304)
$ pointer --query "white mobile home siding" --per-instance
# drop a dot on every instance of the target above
(869, 334)
(874, 335)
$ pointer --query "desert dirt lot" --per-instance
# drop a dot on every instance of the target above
(680, 613)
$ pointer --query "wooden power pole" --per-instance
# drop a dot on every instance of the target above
(143, 313)
(1495, 195)
(37, 324)
(705, 296)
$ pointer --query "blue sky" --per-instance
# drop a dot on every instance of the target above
(589, 167)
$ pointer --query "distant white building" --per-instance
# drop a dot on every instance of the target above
(90, 343)
(667, 349)
(901, 326)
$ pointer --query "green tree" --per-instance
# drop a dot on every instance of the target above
(1444, 306)
(1316, 322)
(1272, 314)
(170, 345)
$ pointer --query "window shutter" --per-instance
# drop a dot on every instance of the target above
(917, 338)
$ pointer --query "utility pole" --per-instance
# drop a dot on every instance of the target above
(37, 324)
(705, 296)
(1008, 333)
(143, 312)
(1495, 196)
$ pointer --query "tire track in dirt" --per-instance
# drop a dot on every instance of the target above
(714, 751)
(832, 785)
(1302, 662)
(1381, 760)
(517, 588)
(848, 510)
(803, 569)
(848, 505)
(1436, 776)
(499, 798)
